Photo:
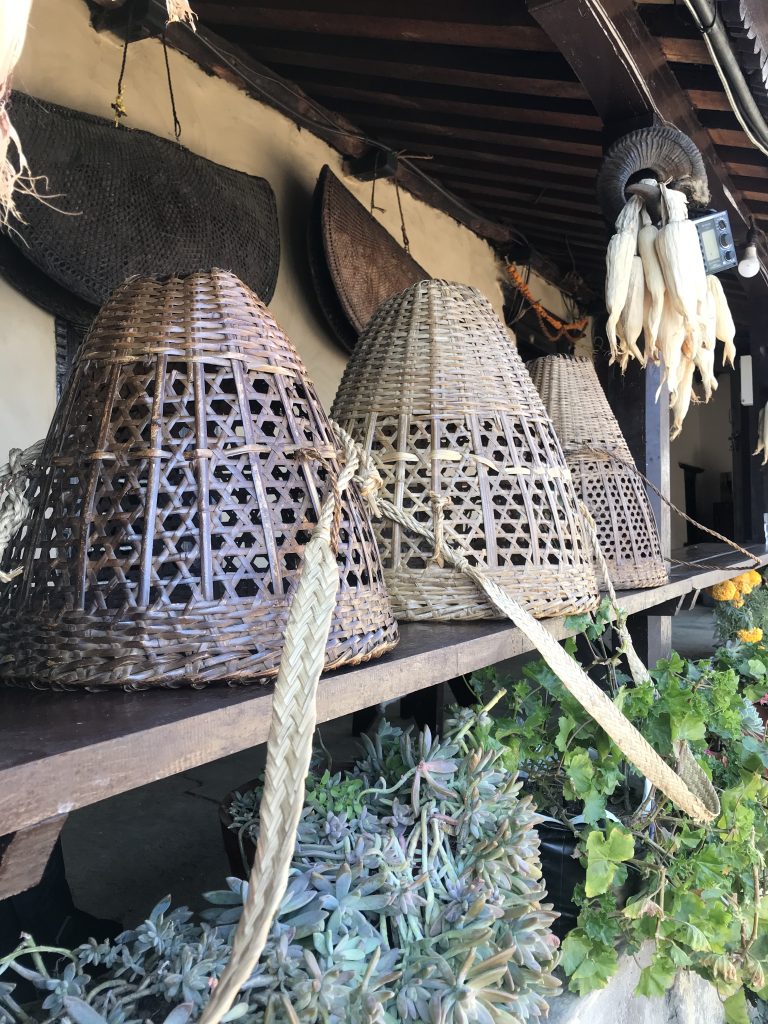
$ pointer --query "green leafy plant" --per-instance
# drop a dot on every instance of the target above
(415, 895)
(698, 891)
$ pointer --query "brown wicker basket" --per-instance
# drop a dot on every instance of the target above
(178, 486)
(607, 483)
(436, 391)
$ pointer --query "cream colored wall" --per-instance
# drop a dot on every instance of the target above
(704, 442)
(67, 62)
(27, 371)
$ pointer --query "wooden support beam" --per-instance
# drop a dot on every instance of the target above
(758, 347)
(625, 73)
(227, 61)
(24, 855)
(465, 31)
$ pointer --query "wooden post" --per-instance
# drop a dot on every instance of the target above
(645, 425)
(24, 855)
(758, 346)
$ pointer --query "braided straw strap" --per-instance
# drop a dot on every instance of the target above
(688, 768)
(290, 745)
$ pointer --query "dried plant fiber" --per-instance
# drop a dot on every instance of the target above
(14, 15)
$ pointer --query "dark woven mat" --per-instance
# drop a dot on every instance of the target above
(128, 203)
(36, 286)
(356, 263)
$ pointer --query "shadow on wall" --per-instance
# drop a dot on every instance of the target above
(705, 445)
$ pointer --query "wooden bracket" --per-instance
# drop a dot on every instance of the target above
(24, 855)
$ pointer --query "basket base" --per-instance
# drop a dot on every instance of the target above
(136, 649)
(641, 575)
(445, 595)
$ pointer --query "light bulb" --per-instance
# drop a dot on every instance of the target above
(750, 264)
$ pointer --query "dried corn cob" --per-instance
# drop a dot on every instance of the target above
(670, 344)
(725, 329)
(684, 395)
(654, 283)
(619, 259)
(631, 321)
(682, 265)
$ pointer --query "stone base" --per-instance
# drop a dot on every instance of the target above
(691, 1000)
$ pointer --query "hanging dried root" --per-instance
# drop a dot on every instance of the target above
(14, 15)
(179, 10)
(762, 434)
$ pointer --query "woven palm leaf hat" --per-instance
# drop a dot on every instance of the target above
(355, 263)
(439, 396)
(178, 486)
(603, 470)
(123, 202)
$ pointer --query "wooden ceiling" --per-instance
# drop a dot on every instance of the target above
(480, 91)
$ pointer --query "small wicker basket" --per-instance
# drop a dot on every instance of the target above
(603, 469)
(179, 483)
(438, 394)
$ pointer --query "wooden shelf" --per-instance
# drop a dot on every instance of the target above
(61, 751)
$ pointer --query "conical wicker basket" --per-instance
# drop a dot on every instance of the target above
(437, 393)
(179, 483)
(603, 469)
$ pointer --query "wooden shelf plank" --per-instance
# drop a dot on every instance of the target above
(61, 751)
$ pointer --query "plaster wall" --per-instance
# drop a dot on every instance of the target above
(66, 61)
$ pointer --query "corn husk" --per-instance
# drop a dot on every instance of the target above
(654, 284)
(725, 329)
(670, 345)
(682, 265)
(631, 320)
(619, 260)
(14, 15)
(684, 395)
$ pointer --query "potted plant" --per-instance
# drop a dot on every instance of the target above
(699, 890)
(415, 895)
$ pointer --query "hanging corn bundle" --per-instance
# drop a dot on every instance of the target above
(657, 286)
(14, 15)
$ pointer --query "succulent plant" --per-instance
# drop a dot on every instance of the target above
(415, 895)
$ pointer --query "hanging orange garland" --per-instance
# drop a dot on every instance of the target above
(570, 331)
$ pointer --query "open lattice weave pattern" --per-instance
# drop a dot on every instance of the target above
(607, 485)
(178, 486)
(438, 395)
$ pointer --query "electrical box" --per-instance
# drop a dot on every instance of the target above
(716, 241)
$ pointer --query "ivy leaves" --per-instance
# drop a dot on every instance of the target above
(604, 856)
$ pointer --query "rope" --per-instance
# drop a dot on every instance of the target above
(438, 517)
(176, 121)
(406, 243)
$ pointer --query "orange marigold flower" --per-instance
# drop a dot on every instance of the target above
(750, 636)
(724, 591)
(738, 601)
(744, 583)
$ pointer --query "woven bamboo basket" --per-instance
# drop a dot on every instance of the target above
(603, 469)
(179, 483)
(438, 394)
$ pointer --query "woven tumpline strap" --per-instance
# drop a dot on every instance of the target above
(290, 744)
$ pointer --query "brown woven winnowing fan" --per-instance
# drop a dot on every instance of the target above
(437, 393)
(178, 486)
(603, 470)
